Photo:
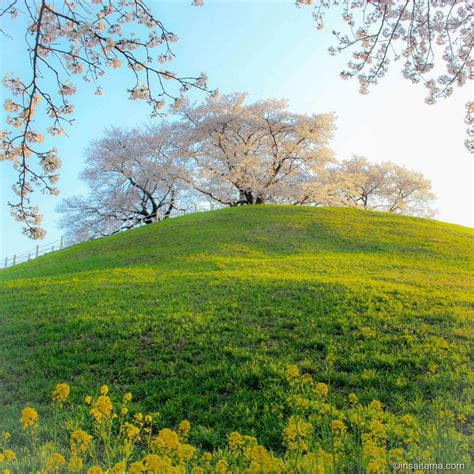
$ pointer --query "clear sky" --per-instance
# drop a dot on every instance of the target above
(272, 50)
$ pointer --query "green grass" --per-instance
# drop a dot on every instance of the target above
(198, 316)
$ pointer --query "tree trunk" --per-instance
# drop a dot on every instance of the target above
(171, 204)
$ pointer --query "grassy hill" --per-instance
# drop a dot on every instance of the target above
(199, 316)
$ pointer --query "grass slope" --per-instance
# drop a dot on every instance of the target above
(198, 316)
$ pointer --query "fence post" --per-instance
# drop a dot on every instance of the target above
(52, 248)
(37, 250)
(61, 245)
(6, 262)
(14, 259)
(195, 207)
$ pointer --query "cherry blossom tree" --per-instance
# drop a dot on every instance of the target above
(408, 192)
(234, 154)
(73, 39)
(134, 179)
(242, 153)
(423, 34)
(376, 186)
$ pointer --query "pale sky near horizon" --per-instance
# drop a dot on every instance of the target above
(272, 50)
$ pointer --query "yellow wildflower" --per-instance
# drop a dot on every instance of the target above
(338, 425)
(138, 416)
(378, 429)
(292, 372)
(75, 464)
(307, 381)
(352, 398)
(396, 455)
(433, 367)
(6, 436)
(249, 439)
(257, 453)
(55, 462)
(235, 441)
(186, 452)
(375, 405)
(49, 446)
(408, 420)
(155, 463)
(127, 397)
(157, 443)
(198, 470)
(88, 399)
(95, 470)
(102, 408)
(321, 389)
(170, 438)
(61, 393)
(184, 428)
(131, 431)
(124, 410)
(2, 458)
(29, 417)
(9, 455)
(370, 447)
(79, 441)
(207, 457)
(104, 390)
(119, 468)
(152, 463)
(221, 466)
(136, 468)
(301, 402)
(377, 465)
(296, 432)
(148, 419)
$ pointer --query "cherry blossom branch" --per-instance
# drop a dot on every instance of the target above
(78, 38)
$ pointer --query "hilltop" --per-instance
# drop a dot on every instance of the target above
(199, 315)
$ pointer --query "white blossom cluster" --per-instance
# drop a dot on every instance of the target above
(134, 178)
(374, 186)
(433, 39)
(72, 39)
(233, 154)
(470, 126)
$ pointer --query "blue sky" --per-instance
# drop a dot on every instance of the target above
(270, 49)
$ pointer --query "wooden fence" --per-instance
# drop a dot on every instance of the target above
(59, 244)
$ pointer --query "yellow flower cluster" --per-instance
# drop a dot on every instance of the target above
(235, 441)
(321, 389)
(131, 431)
(75, 464)
(292, 372)
(260, 460)
(166, 439)
(352, 397)
(297, 433)
(183, 429)
(55, 463)
(80, 441)
(318, 462)
(101, 408)
(321, 438)
(61, 393)
(29, 417)
(7, 457)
